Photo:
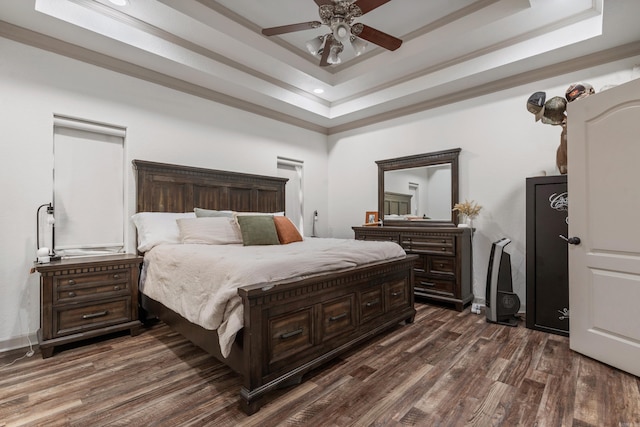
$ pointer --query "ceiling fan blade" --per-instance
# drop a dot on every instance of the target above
(323, 2)
(378, 37)
(291, 28)
(326, 49)
(369, 5)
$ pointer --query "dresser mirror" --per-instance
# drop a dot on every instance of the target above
(419, 190)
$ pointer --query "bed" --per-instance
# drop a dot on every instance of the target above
(290, 325)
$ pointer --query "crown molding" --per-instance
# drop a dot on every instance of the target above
(70, 50)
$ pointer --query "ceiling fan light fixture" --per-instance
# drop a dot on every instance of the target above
(333, 58)
(341, 32)
(358, 45)
(314, 46)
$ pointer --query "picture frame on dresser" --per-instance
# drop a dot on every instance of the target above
(371, 218)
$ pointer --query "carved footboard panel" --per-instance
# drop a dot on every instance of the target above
(292, 327)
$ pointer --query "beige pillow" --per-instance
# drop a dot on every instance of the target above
(209, 231)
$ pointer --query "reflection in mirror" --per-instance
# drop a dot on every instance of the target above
(418, 193)
(421, 188)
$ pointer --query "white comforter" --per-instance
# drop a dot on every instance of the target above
(200, 281)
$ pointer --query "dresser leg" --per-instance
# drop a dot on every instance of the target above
(46, 352)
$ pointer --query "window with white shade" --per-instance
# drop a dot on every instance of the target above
(88, 189)
(294, 200)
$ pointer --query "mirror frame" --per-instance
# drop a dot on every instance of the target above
(418, 160)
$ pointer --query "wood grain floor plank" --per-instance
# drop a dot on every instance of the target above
(446, 369)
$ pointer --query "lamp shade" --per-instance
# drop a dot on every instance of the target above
(342, 32)
(333, 56)
(358, 45)
(314, 45)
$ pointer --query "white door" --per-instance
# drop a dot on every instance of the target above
(604, 212)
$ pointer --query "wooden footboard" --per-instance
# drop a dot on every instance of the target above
(291, 327)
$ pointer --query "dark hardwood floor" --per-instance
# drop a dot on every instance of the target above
(446, 369)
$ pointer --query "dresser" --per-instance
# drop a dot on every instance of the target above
(547, 254)
(87, 297)
(443, 268)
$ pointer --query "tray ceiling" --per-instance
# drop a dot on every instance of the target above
(452, 50)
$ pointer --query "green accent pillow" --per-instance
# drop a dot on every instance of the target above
(258, 230)
(203, 213)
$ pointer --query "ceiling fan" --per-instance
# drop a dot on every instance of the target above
(339, 15)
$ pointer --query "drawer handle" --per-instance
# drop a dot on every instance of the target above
(444, 249)
(116, 276)
(372, 303)
(338, 317)
(427, 284)
(395, 294)
(72, 282)
(71, 294)
(291, 334)
(441, 265)
(444, 241)
(94, 315)
(116, 288)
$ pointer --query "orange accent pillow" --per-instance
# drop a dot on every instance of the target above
(287, 231)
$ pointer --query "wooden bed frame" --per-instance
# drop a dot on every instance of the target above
(291, 326)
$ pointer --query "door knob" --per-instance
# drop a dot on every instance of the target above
(571, 240)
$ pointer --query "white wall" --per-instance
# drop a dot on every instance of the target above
(501, 145)
(162, 125)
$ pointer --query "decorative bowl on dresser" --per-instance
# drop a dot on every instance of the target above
(443, 267)
(86, 297)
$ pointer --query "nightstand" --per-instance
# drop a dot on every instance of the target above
(86, 297)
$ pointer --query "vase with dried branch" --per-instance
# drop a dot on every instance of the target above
(468, 211)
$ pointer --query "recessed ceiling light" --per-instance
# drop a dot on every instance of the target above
(318, 91)
(120, 2)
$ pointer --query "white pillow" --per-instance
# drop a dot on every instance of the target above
(155, 228)
(209, 230)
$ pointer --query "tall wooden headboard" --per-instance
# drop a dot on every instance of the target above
(164, 187)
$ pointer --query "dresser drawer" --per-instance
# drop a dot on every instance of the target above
(429, 245)
(290, 333)
(441, 265)
(424, 284)
(90, 286)
(371, 304)
(378, 236)
(72, 319)
(338, 316)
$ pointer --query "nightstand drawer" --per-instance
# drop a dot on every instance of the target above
(91, 286)
(73, 319)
